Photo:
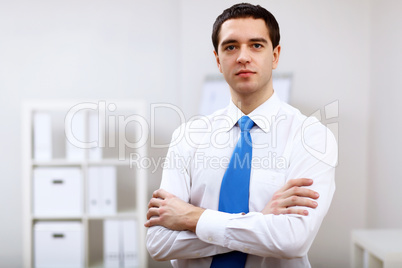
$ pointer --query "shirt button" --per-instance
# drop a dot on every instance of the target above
(210, 239)
(246, 250)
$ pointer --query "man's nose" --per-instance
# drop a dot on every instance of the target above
(244, 55)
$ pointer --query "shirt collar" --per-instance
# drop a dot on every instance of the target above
(262, 116)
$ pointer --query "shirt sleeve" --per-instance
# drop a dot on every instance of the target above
(165, 244)
(313, 155)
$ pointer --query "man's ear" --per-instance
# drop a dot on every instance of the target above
(218, 61)
(275, 58)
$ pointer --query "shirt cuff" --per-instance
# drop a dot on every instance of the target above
(212, 225)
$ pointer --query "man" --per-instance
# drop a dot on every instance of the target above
(267, 155)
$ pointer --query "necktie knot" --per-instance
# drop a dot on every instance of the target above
(245, 123)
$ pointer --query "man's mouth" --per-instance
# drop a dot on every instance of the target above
(245, 73)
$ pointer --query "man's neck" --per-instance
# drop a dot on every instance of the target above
(248, 103)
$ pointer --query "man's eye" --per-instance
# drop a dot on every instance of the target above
(230, 48)
(257, 46)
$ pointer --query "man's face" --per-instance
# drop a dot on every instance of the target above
(245, 56)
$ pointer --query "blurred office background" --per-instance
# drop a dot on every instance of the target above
(160, 51)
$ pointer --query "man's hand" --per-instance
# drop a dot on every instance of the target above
(290, 195)
(168, 210)
(165, 209)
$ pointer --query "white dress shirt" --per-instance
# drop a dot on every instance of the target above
(286, 145)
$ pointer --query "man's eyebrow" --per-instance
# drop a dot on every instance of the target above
(260, 40)
(231, 41)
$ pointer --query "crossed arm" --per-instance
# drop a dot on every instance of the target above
(169, 211)
(284, 228)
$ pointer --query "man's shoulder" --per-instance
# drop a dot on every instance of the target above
(298, 120)
(292, 113)
(312, 134)
(202, 121)
(198, 128)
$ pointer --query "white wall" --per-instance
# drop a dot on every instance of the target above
(78, 49)
(384, 198)
(161, 51)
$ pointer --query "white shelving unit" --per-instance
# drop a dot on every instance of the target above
(377, 248)
(123, 118)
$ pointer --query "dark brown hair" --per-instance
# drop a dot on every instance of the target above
(245, 10)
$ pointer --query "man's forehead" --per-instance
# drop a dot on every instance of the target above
(243, 28)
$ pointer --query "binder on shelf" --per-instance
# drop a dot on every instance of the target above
(120, 244)
(108, 190)
(130, 249)
(73, 150)
(94, 198)
(94, 134)
(102, 190)
(111, 244)
(42, 132)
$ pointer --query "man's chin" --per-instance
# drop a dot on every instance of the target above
(246, 90)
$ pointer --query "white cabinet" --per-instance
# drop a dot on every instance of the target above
(377, 248)
(77, 176)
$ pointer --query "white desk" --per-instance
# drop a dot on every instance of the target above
(377, 248)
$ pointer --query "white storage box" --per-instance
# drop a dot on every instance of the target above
(57, 192)
(58, 245)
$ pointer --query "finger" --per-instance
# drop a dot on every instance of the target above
(157, 193)
(152, 222)
(160, 193)
(300, 182)
(290, 210)
(152, 212)
(300, 191)
(299, 201)
(154, 202)
(299, 211)
(295, 182)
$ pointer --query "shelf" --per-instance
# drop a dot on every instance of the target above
(120, 215)
(131, 183)
(57, 218)
(57, 162)
(112, 162)
(67, 163)
(99, 265)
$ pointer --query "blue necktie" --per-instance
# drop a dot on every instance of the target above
(234, 194)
